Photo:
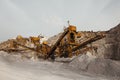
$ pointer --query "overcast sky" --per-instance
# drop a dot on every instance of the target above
(48, 17)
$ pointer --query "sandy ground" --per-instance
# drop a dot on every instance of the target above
(12, 68)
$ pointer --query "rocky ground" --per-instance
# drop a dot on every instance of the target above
(14, 68)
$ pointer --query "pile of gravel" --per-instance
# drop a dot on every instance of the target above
(96, 65)
(113, 43)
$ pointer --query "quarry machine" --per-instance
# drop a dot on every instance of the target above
(69, 44)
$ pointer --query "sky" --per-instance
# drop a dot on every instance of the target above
(48, 17)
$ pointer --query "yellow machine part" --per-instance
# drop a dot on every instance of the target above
(45, 42)
(19, 37)
(79, 35)
(35, 38)
(45, 49)
(72, 28)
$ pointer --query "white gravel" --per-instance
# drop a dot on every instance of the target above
(12, 69)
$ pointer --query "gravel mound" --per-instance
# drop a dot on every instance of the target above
(95, 65)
